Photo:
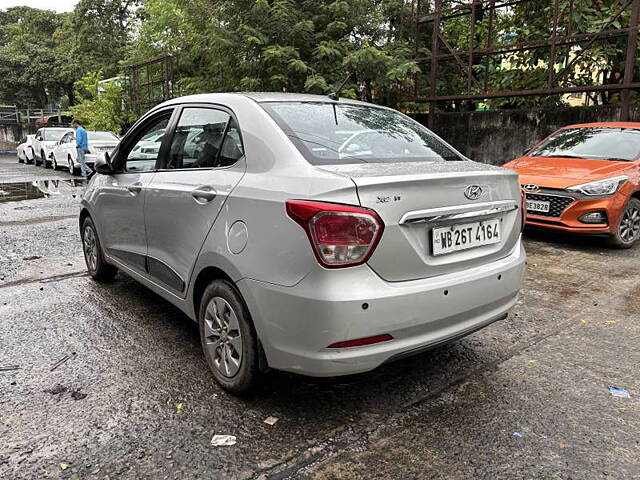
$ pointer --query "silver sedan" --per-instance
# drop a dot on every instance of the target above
(318, 236)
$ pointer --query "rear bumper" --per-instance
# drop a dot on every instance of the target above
(296, 324)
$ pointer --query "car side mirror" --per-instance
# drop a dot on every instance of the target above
(103, 164)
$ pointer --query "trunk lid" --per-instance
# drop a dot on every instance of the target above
(414, 198)
(102, 146)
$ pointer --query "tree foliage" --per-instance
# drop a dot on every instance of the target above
(304, 46)
(43, 53)
(101, 106)
(281, 45)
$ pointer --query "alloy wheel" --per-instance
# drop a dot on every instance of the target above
(223, 339)
(71, 166)
(90, 248)
(630, 224)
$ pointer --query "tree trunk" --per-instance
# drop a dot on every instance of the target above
(71, 94)
(368, 94)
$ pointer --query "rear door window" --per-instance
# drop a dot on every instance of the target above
(204, 138)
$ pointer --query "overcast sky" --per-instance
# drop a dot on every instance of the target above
(57, 5)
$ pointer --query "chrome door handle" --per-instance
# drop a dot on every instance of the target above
(204, 194)
(135, 188)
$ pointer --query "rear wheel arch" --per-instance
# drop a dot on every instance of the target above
(203, 280)
(84, 213)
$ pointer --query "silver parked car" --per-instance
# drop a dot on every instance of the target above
(305, 234)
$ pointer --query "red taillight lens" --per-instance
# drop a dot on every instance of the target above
(341, 235)
(359, 342)
(523, 209)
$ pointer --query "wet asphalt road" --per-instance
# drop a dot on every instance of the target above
(524, 398)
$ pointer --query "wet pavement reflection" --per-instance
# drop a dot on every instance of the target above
(14, 192)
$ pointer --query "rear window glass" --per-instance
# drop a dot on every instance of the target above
(102, 136)
(329, 133)
(597, 143)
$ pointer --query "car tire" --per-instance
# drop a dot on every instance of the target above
(628, 228)
(228, 338)
(99, 270)
(20, 160)
(35, 160)
(54, 162)
(45, 163)
(72, 169)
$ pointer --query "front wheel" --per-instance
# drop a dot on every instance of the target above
(228, 338)
(628, 229)
(72, 169)
(100, 270)
(54, 162)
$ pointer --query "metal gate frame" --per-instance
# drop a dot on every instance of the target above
(465, 59)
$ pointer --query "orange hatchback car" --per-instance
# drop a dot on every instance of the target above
(585, 179)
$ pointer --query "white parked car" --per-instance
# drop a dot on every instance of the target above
(45, 141)
(65, 154)
(25, 149)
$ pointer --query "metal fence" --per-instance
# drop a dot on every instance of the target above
(474, 61)
(150, 82)
(8, 115)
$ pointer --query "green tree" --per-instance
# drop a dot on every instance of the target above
(101, 106)
(282, 45)
(27, 57)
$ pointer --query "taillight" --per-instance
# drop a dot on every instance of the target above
(523, 209)
(340, 235)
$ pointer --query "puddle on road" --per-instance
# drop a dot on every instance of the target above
(15, 192)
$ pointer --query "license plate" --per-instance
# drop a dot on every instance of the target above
(462, 237)
(538, 206)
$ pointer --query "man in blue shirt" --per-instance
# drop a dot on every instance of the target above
(82, 147)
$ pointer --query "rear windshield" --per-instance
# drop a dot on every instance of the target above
(329, 134)
(53, 135)
(597, 143)
(102, 136)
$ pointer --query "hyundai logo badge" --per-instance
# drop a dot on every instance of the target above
(531, 188)
(473, 192)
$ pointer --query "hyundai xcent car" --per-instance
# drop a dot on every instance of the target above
(585, 179)
(317, 236)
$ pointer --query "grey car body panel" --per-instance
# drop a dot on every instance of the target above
(299, 307)
(119, 209)
(177, 223)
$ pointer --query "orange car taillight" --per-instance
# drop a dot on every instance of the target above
(523, 209)
(340, 235)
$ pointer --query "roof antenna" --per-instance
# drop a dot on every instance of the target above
(336, 95)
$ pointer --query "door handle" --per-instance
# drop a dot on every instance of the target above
(135, 188)
(204, 194)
